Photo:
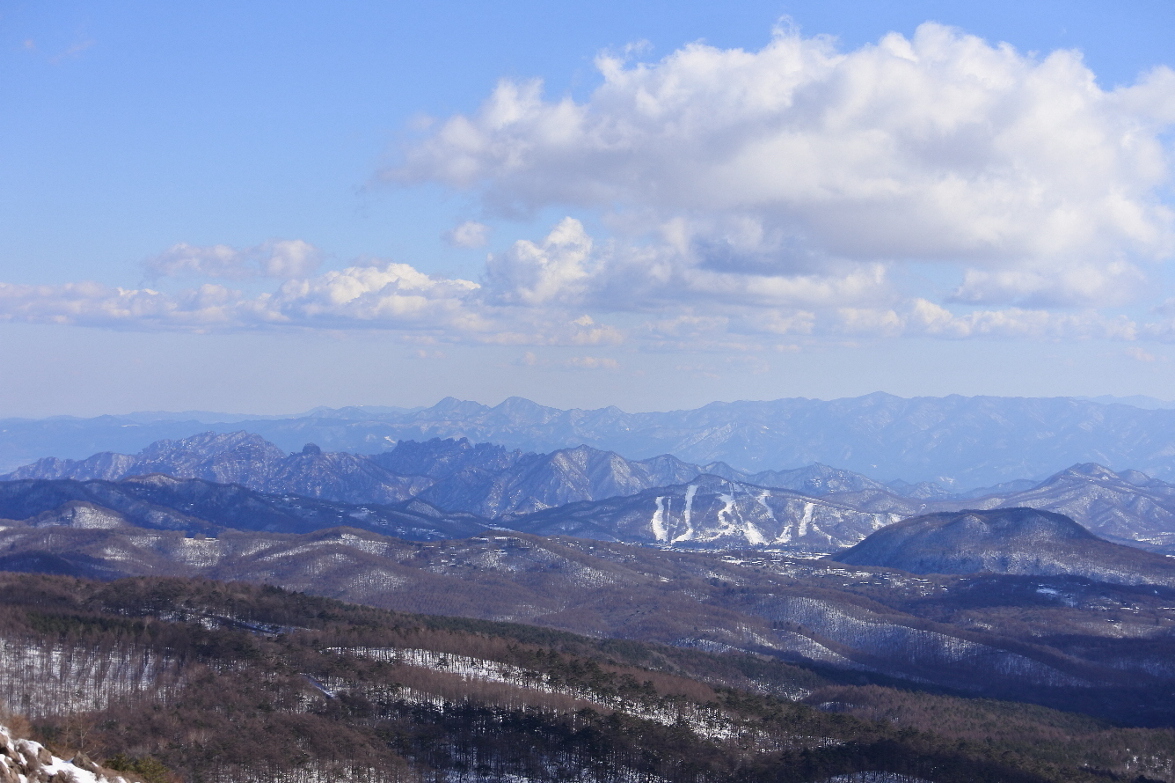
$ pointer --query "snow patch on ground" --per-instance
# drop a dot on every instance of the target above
(703, 721)
(659, 531)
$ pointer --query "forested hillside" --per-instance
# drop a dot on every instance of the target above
(170, 679)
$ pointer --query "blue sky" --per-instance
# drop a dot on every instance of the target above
(265, 207)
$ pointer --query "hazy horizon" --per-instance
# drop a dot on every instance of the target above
(1139, 401)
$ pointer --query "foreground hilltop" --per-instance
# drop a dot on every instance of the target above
(1023, 541)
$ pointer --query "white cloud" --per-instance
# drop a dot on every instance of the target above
(558, 269)
(592, 363)
(393, 295)
(1090, 284)
(279, 258)
(529, 359)
(388, 296)
(288, 258)
(789, 161)
(568, 268)
(920, 317)
(469, 234)
(93, 304)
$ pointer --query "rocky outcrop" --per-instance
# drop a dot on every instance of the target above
(25, 761)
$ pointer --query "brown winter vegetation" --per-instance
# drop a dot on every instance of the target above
(267, 682)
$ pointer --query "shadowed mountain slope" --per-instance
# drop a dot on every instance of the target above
(1007, 541)
(195, 506)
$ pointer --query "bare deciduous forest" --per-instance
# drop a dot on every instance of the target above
(192, 680)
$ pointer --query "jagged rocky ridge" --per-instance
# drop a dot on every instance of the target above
(457, 475)
(244, 459)
(583, 491)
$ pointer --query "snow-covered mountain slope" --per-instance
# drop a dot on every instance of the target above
(713, 513)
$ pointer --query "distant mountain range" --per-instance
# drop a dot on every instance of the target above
(956, 442)
(462, 487)
(483, 478)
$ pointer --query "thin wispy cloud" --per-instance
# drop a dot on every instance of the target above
(71, 52)
(277, 258)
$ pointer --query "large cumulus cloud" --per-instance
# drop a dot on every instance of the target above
(800, 160)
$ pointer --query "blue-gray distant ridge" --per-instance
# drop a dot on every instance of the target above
(955, 442)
